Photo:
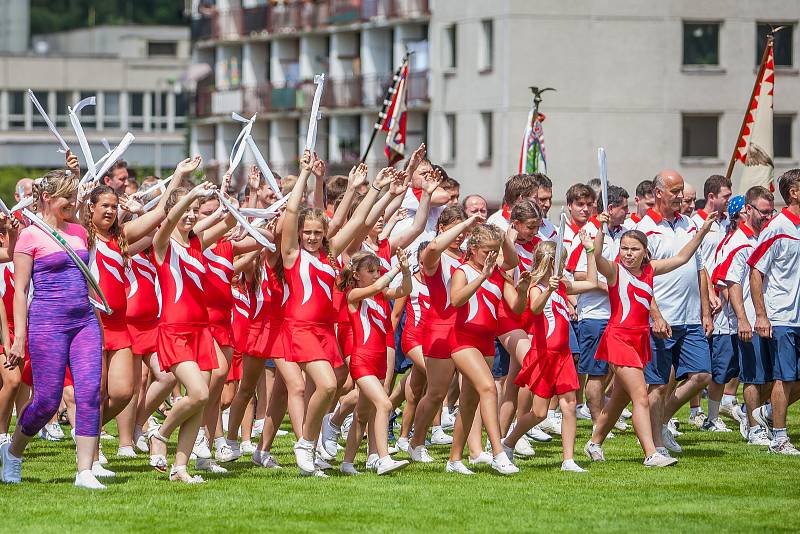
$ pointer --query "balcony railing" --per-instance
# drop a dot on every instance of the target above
(298, 15)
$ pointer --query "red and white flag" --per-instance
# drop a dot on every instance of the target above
(395, 122)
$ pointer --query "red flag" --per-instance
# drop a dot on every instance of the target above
(395, 122)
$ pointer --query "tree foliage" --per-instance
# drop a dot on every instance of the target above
(58, 15)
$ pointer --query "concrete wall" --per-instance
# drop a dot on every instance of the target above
(14, 25)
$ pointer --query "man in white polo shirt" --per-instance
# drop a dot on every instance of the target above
(775, 287)
(678, 296)
(544, 197)
(519, 187)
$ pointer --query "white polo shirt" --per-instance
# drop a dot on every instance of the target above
(594, 304)
(631, 222)
(501, 218)
(777, 256)
(732, 268)
(678, 292)
(547, 232)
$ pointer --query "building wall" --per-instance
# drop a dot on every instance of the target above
(14, 24)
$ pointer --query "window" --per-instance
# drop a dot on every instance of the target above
(485, 142)
(450, 47)
(487, 48)
(699, 136)
(181, 109)
(162, 48)
(158, 109)
(782, 135)
(701, 43)
(136, 110)
(61, 115)
(36, 118)
(16, 109)
(450, 137)
(783, 43)
(111, 110)
(88, 115)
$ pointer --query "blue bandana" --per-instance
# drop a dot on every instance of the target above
(735, 205)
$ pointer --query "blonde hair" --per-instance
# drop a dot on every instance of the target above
(57, 184)
(480, 236)
(358, 261)
(543, 259)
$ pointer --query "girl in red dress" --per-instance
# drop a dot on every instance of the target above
(10, 377)
(548, 369)
(363, 283)
(625, 344)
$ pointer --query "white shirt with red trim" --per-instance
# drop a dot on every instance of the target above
(631, 222)
(732, 268)
(547, 232)
(501, 218)
(594, 304)
(712, 239)
(777, 256)
(678, 292)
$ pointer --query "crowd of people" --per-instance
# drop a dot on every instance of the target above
(350, 298)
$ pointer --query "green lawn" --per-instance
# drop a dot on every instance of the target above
(720, 485)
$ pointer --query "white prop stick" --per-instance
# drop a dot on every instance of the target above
(255, 234)
(272, 211)
(263, 167)
(601, 160)
(160, 185)
(237, 151)
(311, 136)
(4, 209)
(105, 144)
(22, 204)
(76, 125)
(110, 158)
(152, 204)
(560, 243)
(64, 146)
(258, 212)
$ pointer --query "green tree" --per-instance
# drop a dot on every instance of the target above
(49, 16)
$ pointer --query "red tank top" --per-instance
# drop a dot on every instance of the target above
(217, 284)
(550, 329)
(310, 282)
(279, 293)
(108, 268)
(480, 312)
(370, 322)
(181, 279)
(630, 297)
(440, 311)
(417, 303)
(142, 289)
(525, 253)
(260, 298)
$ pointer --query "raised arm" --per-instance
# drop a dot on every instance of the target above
(215, 233)
(290, 244)
(685, 254)
(161, 239)
(357, 294)
(604, 267)
(357, 177)
(575, 287)
(405, 289)
(7, 252)
(461, 290)
(433, 252)
(397, 189)
(510, 256)
(408, 236)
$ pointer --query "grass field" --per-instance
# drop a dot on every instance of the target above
(720, 485)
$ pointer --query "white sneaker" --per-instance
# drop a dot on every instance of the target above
(265, 459)
(140, 441)
(524, 448)
(659, 460)
(106, 436)
(551, 425)
(761, 417)
(663, 451)
(783, 446)
(258, 428)
(85, 479)
(102, 457)
(126, 452)
(175, 472)
(322, 464)
(281, 432)
(12, 466)
(438, 437)
(669, 440)
(758, 437)
(538, 434)
(372, 460)
(349, 469)
(672, 425)
(346, 424)
(101, 472)
(45, 434)
(304, 456)
(458, 467)
(572, 467)
(317, 473)
(394, 449)
(448, 419)
(484, 458)
(420, 454)
(210, 466)
(730, 410)
(247, 447)
(322, 452)
(717, 425)
(200, 448)
(744, 427)
(506, 449)
(503, 465)
(402, 444)
(621, 425)
(626, 413)
(697, 419)
(227, 452)
(54, 429)
(594, 451)
(582, 412)
(387, 464)
(329, 437)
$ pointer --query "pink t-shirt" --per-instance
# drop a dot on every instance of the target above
(36, 243)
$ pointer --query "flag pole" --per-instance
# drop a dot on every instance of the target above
(387, 100)
(770, 39)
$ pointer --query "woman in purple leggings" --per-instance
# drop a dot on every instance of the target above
(60, 328)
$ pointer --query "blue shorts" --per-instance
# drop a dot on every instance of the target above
(402, 363)
(501, 360)
(687, 350)
(724, 358)
(785, 348)
(269, 363)
(589, 333)
(574, 346)
(755, 362)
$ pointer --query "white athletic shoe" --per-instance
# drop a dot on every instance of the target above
(761, 417)
(228, 452)
(663, 451)
(106, 436)
(5, 438)
(393, 449)
(402, 444)
(247, 447)
(717, 425)
(304, 456)
(12, 466)
(322, 464)
(175, 472)
(448, 419)
(349, 469)
(258, 428)
(329, 437)
(582, 412)
(420, 454)
(659, 460)
(594, 451)
(346, 424)
(439, 437)
(387, 464)
(318, 473)
(126, 452)
(697, 419)
(731, 410)
(48, 432)
(523, 448)
(281, 432)
(458, 467)
(54, 429)
(783, 446)
(484, 458)
(101, 472)
(200, 449)
(506, 449)
(572, 467)
(210, 466)
(140, 440)
(626, 413)
(551, 425)
(85, 479)
(102, 457)
(537, 434)
(621, 425)
(669, 440)
(503, 465)
(758, 437)
(265, 459)
(372, 460)
(672, 425)
(744, 427)
(322, 452)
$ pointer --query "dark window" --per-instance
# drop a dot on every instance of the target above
(61, 115)
(111, 110)
(136, 110)
(701, 43)
(699, 136)
(16, 109)
(162, 48)
(450, 136)
(782, 135)
(36, 118)
(783, 43)
(450, 48)
(88, 115)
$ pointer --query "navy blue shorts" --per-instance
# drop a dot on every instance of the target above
(269, 363)
(501, 360)
(785, 348)
(755, 361)
(724, 358)
(589, 333)
(574, 346)
(401, 362)
(687, 350)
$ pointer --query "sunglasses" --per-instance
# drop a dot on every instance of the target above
(765, 213)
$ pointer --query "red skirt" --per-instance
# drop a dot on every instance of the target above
(115, 333)
(548, 373)
(624, 346)
(271, 341)
(185, 342)
(253, 335)
(240, 327)
(344, 336)
(438, 340)
(466, 337)
(235, 370)
(305, 342)
(143, 337)
(222, 333)
(368, 363)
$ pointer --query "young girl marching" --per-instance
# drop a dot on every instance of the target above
(625, 344)
(548, 369)
(362, 281)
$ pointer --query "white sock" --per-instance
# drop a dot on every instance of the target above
(259, 422)
(305, 443)
(435, 429)
(728, 399)
(694, 410)
(713, 409)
